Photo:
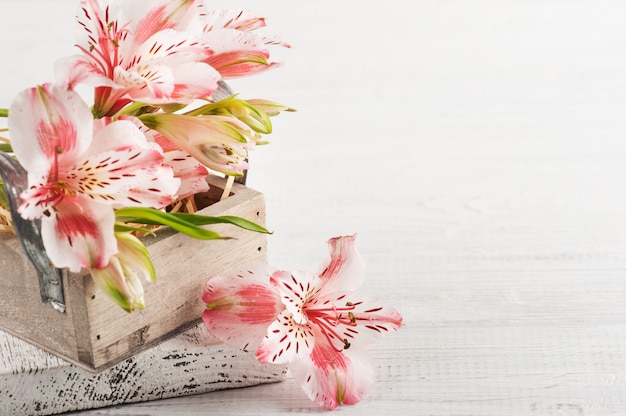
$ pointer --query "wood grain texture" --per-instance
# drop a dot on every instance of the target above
(36, 383)
(477, 148)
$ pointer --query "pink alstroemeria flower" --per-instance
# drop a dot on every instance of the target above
(77, 177)
(315, 322)
(238, 51)
(139, 51)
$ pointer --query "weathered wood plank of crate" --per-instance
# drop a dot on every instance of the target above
(95, 333)
(33, 382)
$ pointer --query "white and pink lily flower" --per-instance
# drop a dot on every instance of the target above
(316, 322)
(141, 52)
(77, 176)
(237, 50)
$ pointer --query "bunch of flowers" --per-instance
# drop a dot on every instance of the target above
(161, 119)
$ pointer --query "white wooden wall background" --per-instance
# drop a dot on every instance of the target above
(478, 148)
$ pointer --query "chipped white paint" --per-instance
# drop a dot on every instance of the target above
(33, 382)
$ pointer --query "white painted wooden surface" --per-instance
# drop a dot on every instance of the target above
(33, 382)
(478, 148)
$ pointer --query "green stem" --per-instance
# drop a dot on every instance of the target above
(4, 112)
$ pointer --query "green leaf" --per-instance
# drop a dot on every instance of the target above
(184, 222)
(225, 219)
(4, 112)
(153, 216)
(6, 148)
(122, 228)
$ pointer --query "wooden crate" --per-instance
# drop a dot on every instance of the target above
(94, 333)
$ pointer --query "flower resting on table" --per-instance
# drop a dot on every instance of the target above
(317, 323)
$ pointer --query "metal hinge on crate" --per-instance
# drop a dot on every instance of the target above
(29, 233)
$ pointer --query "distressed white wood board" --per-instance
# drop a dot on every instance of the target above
(34, 382)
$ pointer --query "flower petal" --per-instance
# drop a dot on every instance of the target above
(152, 85)
(239, 64)
(129, 175)
(194, 80)
(167, 68)
(73, 70)
(171, 47)
(36, 201)
(237, 53)
(232, 18)
(345, 269)
(154, 16)
(91, 24)
(240, 305)
(296, 287)
(358, 321)
(49, 126)
(331, 378)
(191, 174)
(374, 318)
(118, 134)
(285, 340)
(79, 234)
